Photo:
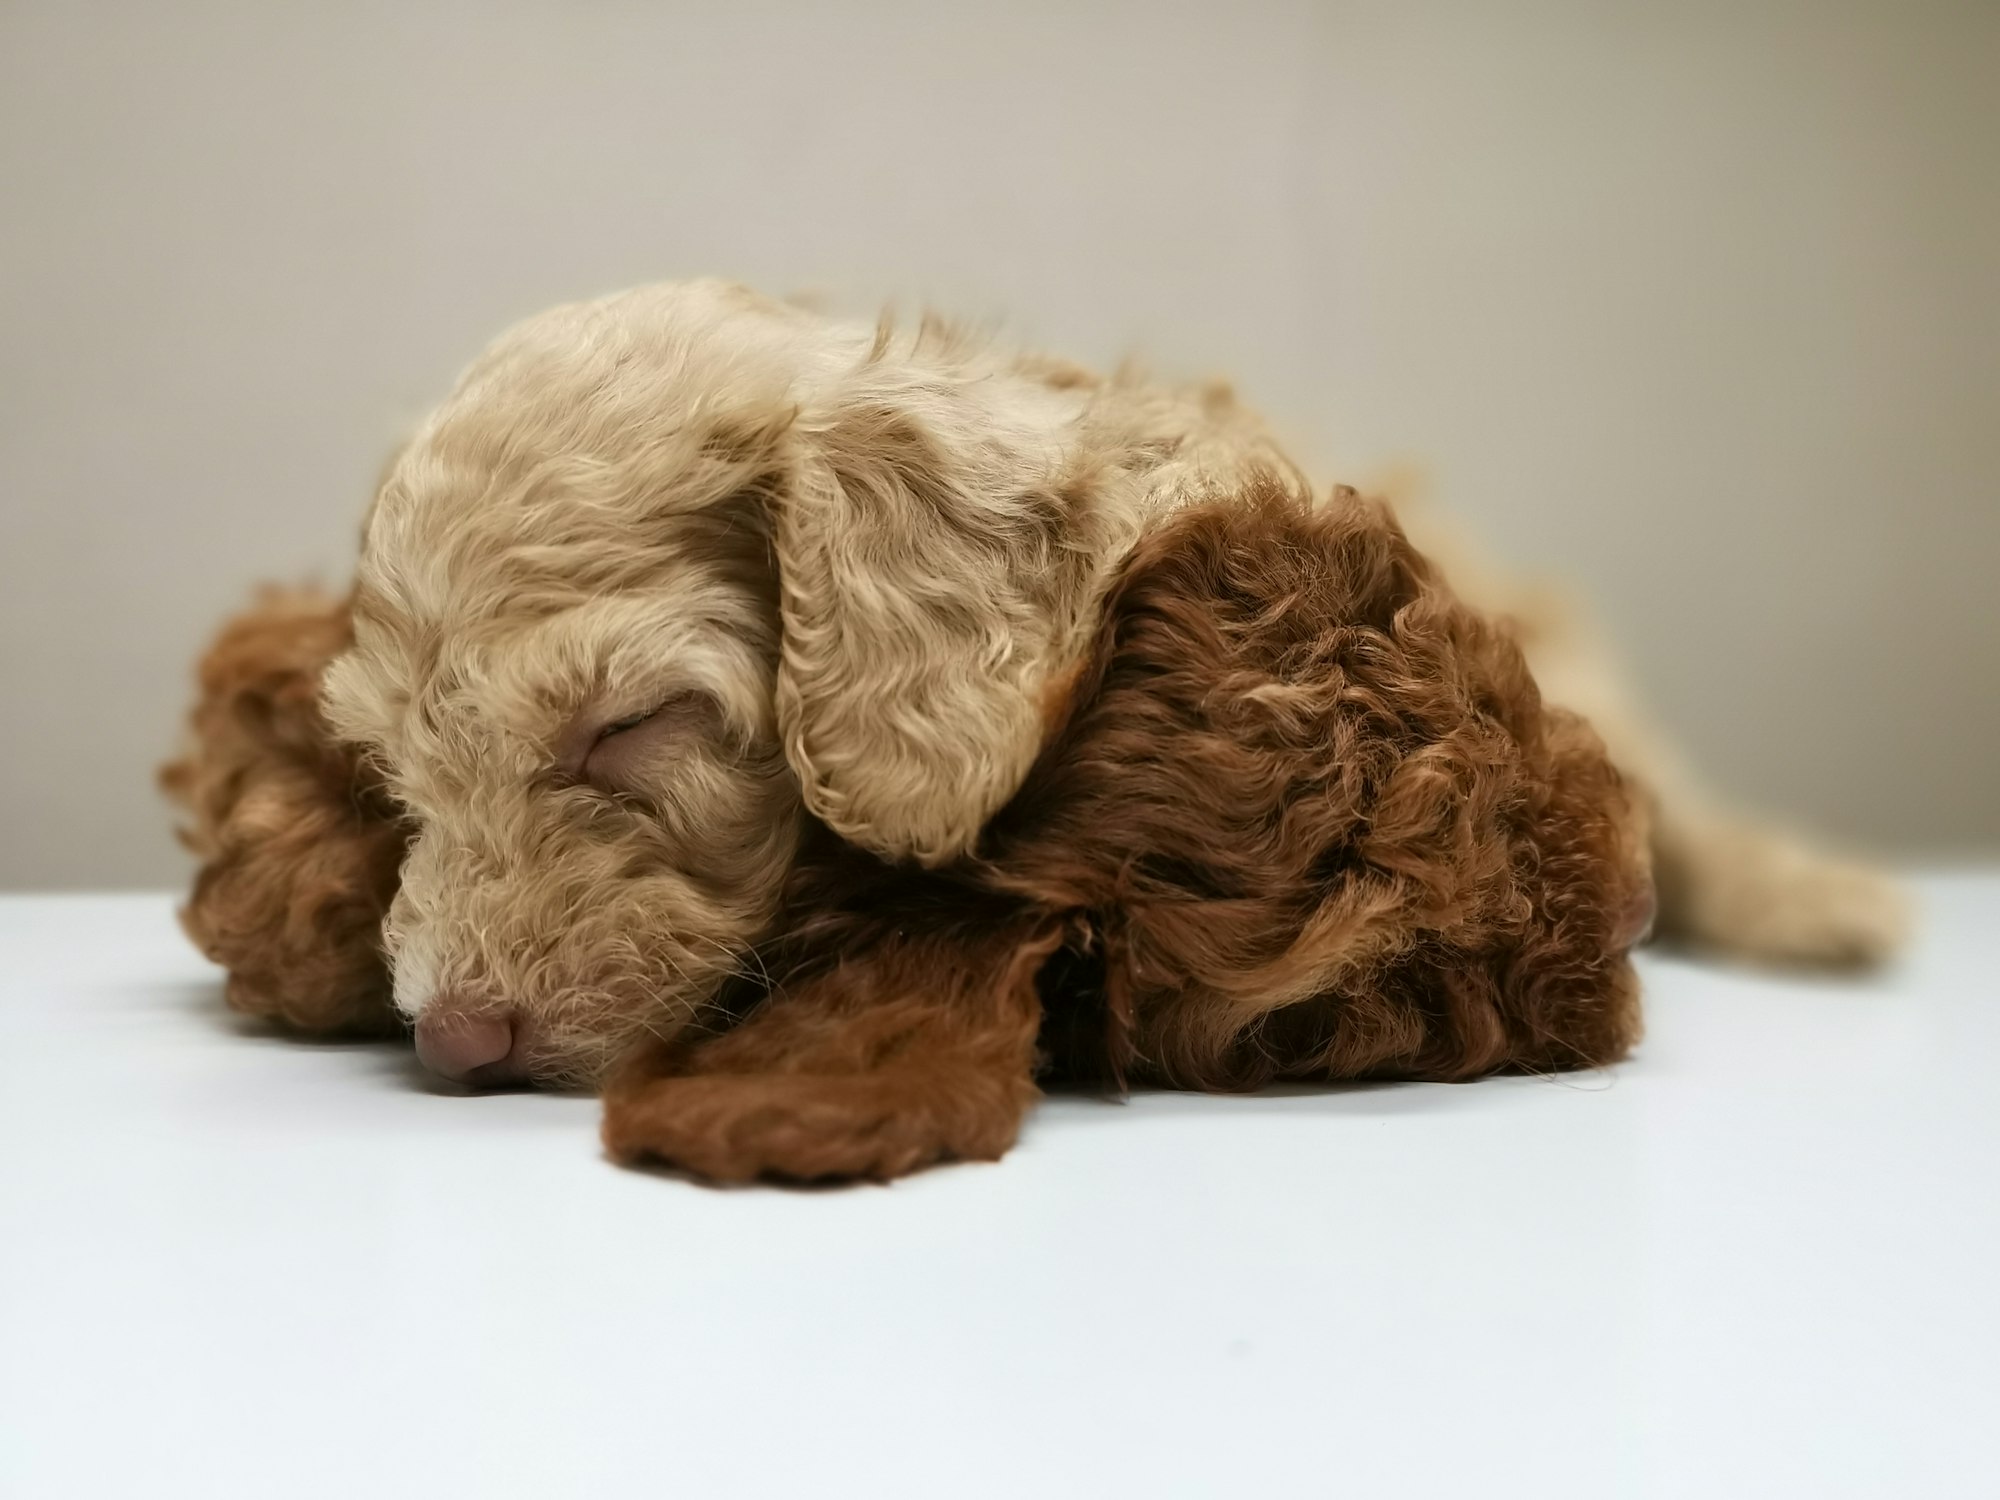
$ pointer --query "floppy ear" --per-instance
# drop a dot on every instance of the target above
(934, 591)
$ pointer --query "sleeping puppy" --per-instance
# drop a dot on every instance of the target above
(690, 615)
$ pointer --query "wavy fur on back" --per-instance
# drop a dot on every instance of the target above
(1304, 816)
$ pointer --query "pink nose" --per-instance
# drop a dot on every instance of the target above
(467, 1049)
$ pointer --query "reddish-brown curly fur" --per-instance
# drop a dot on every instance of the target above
(299, 847)
(1303, 816)
(916, 1048)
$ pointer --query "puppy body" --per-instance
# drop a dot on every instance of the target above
(681, 585)
(1305, 817)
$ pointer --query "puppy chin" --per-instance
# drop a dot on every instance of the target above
(579, 1045)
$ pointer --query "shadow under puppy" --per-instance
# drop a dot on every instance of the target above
(1301, 815)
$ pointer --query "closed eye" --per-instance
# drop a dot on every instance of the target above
(624, 724)
(622, 751)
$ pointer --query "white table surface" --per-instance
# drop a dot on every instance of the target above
(1758, 1260)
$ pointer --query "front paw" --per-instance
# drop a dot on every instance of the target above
(804, 1127)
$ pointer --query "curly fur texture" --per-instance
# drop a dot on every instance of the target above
(869, 562)
(681, 588)
(1306, 818)
(299, 846)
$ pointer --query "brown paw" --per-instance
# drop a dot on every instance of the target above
(804, 1127)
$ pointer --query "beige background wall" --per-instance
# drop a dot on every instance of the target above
(1697, 304)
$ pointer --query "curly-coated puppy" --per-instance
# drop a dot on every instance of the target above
(1303, 815)
(681, 584)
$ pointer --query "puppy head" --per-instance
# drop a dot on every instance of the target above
(667, 572)
(564, 666)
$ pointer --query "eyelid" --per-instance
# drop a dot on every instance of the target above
(619, 726)
(588, 730)
(624, 722)
(576, 763)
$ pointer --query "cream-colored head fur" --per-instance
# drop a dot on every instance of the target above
(806, 565)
